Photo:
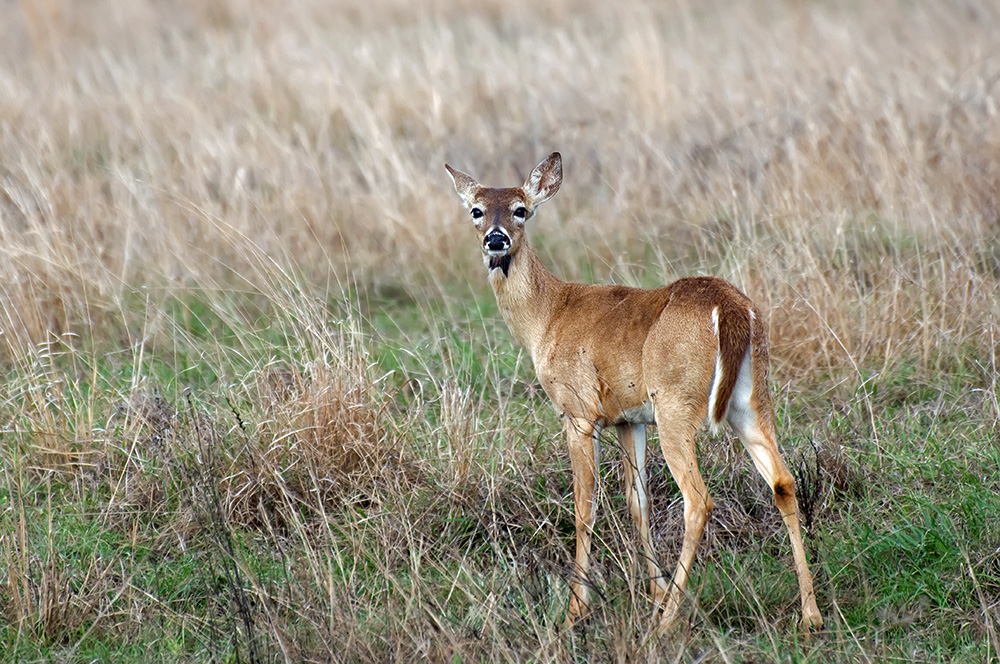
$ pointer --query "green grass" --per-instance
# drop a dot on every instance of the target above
(176, 523)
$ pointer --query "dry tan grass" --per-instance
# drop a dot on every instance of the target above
(841, 164)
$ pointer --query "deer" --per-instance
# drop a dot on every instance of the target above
(611, 355)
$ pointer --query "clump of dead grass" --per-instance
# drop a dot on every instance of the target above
(324, 436)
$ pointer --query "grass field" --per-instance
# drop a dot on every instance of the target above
(258, 403)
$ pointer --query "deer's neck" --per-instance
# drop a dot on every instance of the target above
(526, 293)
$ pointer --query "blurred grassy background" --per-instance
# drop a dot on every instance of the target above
(259, 403)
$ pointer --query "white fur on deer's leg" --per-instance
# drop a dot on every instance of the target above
(632, 438)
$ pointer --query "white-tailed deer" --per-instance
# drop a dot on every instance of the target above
(627, 357)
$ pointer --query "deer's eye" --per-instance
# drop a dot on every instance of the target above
(476, 213)
(520, 213)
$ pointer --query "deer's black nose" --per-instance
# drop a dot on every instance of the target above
(496, 241)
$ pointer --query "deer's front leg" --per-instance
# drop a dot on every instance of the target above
(583, 438)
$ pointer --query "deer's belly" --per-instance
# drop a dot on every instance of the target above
(641, 414)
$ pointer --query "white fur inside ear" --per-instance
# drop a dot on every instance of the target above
(534, 183)
(465, 185)
(544, 180)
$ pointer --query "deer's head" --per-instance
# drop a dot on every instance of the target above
(499, 214)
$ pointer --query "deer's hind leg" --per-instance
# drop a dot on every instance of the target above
(751, 414)
(676, 422)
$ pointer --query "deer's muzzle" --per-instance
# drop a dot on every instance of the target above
(496, 242)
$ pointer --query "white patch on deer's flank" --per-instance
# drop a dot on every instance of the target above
(740, 412)
(713, 396)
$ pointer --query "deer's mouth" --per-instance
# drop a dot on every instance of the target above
(496, 247)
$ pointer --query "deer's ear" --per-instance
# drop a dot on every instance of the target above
(544, 180)
(465, 185)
